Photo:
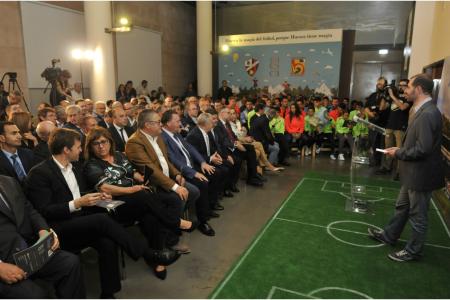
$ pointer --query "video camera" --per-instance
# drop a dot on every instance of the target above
(391, 86)
(51, 74)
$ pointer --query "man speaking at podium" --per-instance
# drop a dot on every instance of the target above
(421, 170)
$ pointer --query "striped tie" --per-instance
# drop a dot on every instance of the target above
(19, 171)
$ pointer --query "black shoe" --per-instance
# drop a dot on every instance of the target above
(255, 182)
(378, 236)
(106, 296)
(382, 171)
(396, 177)
(213, 214)
(206, 229)
(228, 194)
(160, 274)
(163, 257)
(402, 256)
(260, 177)
(234, 189)
(217, 206)
(192, 228)
(285, 163)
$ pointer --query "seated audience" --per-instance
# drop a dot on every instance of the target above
(194, 168)
(278, 130)
(55, 188)
(189, 121)
(73, 113)
(41, 151)
(295, 125)
(23, 122)
(89, 106)
(47, 114)
(87, 123)
(99, 112)
(121, 94)
(344, 128)
(130, 112)
(15, 161)
(61, 116)
(21, 226)
(119, 130)
(11, 109)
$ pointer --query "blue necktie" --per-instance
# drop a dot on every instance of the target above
(19, 171)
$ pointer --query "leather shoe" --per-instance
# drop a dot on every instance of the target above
(160, 274)
(260, 177)
(254, 182)
(192, 228)
(218, 207)
(234, 189)
(206, 229)
(213, 214)
(163, 257)
(228, 194)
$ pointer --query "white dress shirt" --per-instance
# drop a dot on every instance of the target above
(125, 135)
(71, 181)
(161, 158)
(180, 145)
(206, 138)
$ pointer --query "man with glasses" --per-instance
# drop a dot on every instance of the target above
(396, 125)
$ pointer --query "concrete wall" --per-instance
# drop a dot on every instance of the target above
(381, 22)
(176, 22)
(440, 41)
(12, 51)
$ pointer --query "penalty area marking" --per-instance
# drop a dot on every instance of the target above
(310, 295)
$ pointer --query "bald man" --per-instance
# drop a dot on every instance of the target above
(43, 131)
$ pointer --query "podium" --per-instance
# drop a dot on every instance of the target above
(362, 151)
(357, 202)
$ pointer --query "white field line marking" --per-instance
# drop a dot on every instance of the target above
(440, 217)
(243, 257)
(275, 288)
(350, 231)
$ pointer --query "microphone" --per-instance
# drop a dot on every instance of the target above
(370, 125)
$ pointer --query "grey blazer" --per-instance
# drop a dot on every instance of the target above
(421, 164)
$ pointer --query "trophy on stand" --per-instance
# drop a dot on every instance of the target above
(358, 200)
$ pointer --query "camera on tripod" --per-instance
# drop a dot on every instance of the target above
(51, 74)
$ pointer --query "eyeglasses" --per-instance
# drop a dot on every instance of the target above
(155, 122)
(102, 142)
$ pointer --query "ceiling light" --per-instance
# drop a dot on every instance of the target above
(383, 51)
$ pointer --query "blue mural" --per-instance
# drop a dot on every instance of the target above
(310, 66)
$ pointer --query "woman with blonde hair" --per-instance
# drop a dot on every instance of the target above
(23, 122)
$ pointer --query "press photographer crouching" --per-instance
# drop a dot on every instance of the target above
(396, 124)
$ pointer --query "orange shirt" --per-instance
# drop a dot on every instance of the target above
(296, 125)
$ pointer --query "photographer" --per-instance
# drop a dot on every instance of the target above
(376, 109)
(396, 123)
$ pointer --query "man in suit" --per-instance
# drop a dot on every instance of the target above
(421, 170)
(55, 187)
(189, 121)
(260, 131)
(47, 114)
(99, 113)
(224, 91)
(185, 158)
(21, 225)
(14, 160)
(147, 148)
(236, 151)
(119, 130)
(130, 111)
(41, 151)
(73, 118)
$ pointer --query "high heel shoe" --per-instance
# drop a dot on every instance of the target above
(160, 274)
(192, 228)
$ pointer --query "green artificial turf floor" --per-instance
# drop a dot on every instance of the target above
(314, 248)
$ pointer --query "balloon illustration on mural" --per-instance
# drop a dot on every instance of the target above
(235, 57)
(251, 66)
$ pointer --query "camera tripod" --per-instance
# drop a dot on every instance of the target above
(12, 84)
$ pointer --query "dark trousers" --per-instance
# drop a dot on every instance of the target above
(329, 138)
(345, 138)
(202, 205)
(63, 270)
(137, 207)
(249, 155)
(282, 141)
(375, 141)
(104, 234)
(413, 206)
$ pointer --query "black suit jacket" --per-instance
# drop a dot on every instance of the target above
(21, 221)
(224, 93)
(47, 189)
(120, 145)
(420, 159)
(188, 123)
(223, 140)
(26, 157)
(195, 138)
(260, 130)
(41, 152)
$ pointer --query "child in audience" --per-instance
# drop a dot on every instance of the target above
(344, 128)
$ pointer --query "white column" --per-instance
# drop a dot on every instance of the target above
(204, 47)
(97, 16)
(422, 37)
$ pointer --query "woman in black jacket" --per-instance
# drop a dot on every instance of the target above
(110, 171)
